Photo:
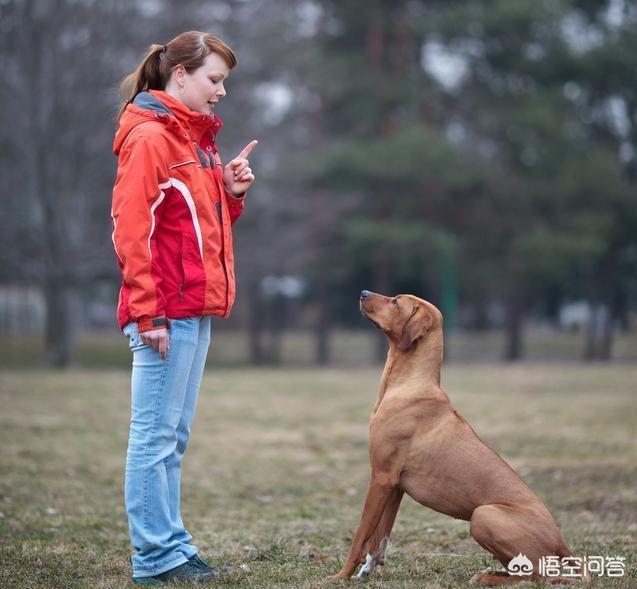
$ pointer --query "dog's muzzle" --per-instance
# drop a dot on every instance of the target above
(364, 295)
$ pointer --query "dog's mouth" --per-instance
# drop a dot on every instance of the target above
(364, 314)
(377, 325)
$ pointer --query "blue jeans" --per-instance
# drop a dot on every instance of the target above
(164, 396)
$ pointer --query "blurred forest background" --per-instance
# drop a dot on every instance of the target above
(481, 154)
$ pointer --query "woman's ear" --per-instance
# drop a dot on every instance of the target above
(417, 326)
(179, 74)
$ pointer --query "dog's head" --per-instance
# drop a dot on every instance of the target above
(403, 318)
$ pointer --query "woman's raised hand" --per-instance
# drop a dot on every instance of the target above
(237, 175)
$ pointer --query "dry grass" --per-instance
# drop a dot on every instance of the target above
(276, 472)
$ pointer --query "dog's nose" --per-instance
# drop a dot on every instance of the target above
(365, 294)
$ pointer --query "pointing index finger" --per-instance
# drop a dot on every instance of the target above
(248, 148)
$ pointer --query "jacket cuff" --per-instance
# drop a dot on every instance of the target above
(150, 323)
(236, 199)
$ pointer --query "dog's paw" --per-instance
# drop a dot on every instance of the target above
(367, 568)
(338, 577)
(477, 578)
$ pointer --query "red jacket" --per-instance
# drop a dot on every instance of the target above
(171, 214)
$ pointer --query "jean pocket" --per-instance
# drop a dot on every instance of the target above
(134, 339)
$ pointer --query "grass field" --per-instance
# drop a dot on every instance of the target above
(277, 469)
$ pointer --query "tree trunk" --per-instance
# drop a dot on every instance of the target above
(58, 329)
(590, 334)
(276, 328)
(322, 328)
(605, 336)
(599, 334)
(45, 190)
(448, 297)
(255, 325)
(514, 320)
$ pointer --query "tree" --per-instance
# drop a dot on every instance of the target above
(555, 187)
(57, 120)
(384, 149)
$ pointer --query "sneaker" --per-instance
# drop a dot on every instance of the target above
(201, 564)
(204, 566)
(184, 573)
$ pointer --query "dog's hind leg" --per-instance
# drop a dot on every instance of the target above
(377, 544)
(506, 531)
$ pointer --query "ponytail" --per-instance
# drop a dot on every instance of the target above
(188, 49)
(151, 74)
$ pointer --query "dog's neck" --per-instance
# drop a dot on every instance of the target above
(419, 365)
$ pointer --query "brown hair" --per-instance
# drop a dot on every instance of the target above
(188, 49)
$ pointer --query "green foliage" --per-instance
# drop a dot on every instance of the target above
(410, 159)
(518, 165)
(415, 242)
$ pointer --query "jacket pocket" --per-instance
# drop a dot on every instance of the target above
(191, 267)
(184, 162)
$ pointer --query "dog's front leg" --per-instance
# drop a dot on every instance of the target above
(377, 544)
(378, 494)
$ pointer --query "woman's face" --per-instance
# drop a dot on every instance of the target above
(203, 87)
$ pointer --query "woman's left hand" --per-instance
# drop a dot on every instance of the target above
(237, 175)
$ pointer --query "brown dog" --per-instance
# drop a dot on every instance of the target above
(420, 445)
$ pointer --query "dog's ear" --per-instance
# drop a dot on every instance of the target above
(418, 324)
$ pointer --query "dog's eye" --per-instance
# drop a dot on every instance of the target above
(394, 301)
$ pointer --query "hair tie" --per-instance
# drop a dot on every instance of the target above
(163, 51)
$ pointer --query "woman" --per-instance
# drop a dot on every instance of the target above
(173, 207)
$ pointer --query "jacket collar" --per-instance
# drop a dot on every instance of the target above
(191, 122)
